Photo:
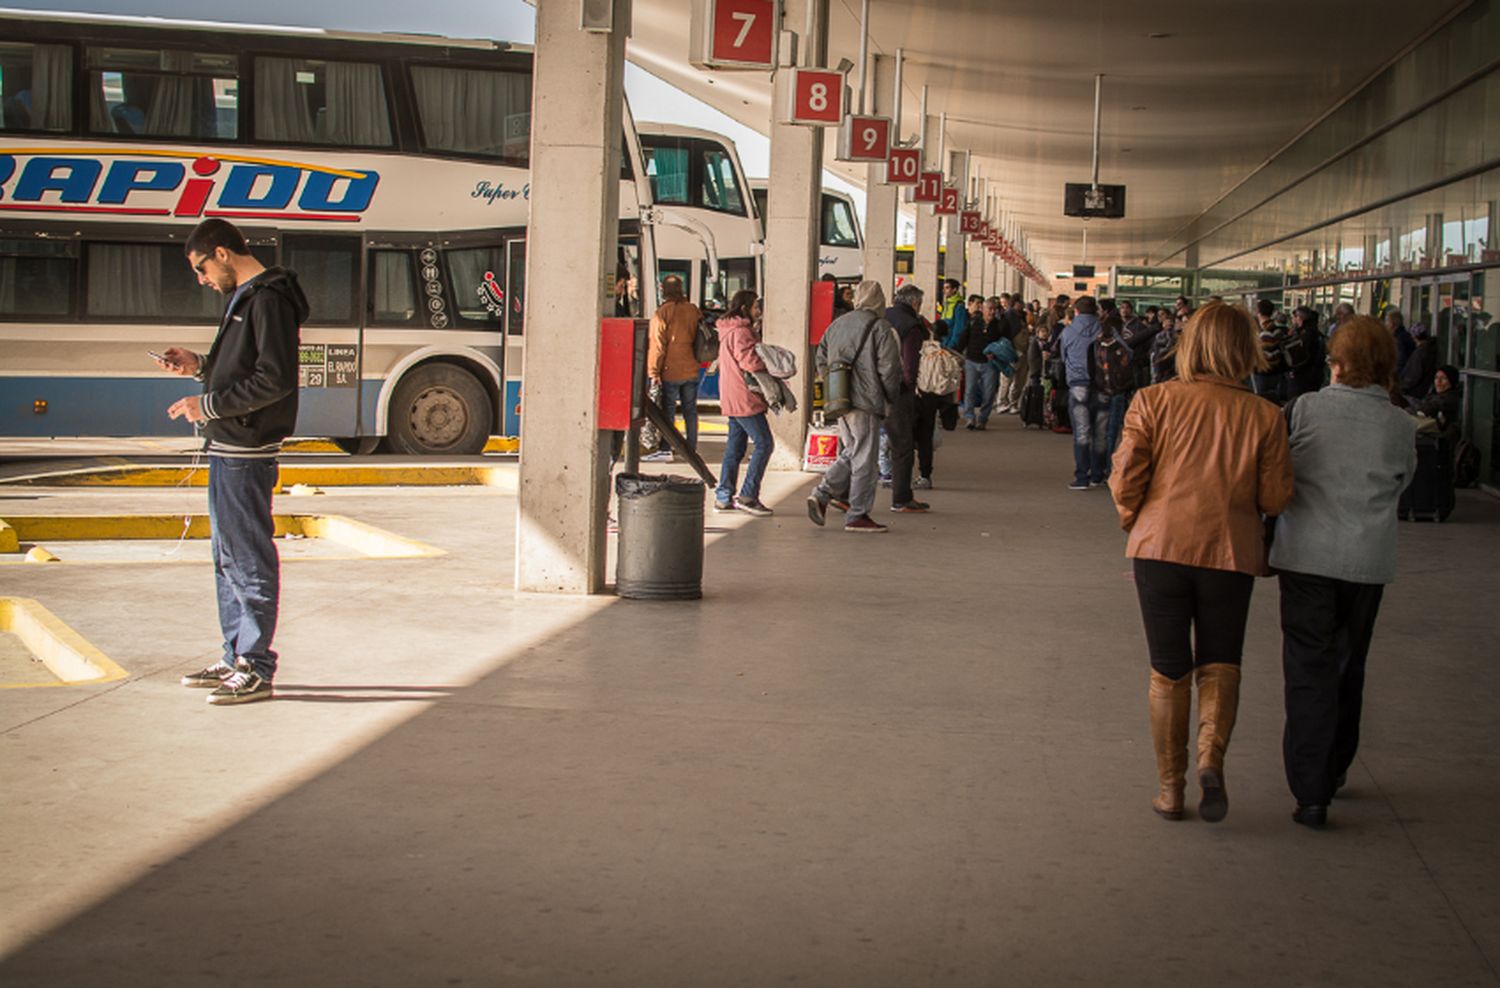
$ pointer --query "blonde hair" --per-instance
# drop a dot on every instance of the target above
(1219, 340)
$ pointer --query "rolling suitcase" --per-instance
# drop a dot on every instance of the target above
(1429, 496)
(1032, 400)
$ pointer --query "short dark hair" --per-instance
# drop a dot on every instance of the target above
(212, 234)
(1085, 305)
(1107, 304)
(1266, 308)
(976, 297)
(1061, 300)
(951, 283)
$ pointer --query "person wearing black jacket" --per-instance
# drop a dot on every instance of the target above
(981, 378)
(1304, 354)
(247, 408)
(909, 422)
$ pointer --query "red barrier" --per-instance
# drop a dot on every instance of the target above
(616, 353)
(821, 313)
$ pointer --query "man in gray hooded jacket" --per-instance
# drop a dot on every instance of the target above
(876, 384)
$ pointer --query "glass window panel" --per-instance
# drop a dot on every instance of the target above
(515, 306)
(149, 93)
(721, 187)
(838, 223)
(146, 281)
(481, 112)
(36, 91)
(328, 272)
(474, 269)
(36, 279)
(667, 169)
(301, 101)
(393, 289)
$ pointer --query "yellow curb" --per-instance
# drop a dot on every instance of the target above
(503, 477)
(365, 540)
(496, 444)
(65, 652)
(8, 540)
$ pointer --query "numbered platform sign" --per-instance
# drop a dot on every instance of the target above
(817, 97)
(864, 138)
(903, 166)
(929, 187)
(734, 34)
(947, 204)
(968, 222)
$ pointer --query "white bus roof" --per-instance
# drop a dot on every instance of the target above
(123, 20)
(678, 130)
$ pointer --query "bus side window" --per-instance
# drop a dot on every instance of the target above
(151, 93)
(478, 278)
(393, 290)
(475, 111)
(36, 279)
(301, 101)
(327, 268)
(36, 87)
(146, 281)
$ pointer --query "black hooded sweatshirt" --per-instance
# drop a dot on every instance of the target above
(250, 374)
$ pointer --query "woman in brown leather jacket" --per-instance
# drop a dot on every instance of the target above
(1200, 461)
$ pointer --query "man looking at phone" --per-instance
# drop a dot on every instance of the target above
(248, 406)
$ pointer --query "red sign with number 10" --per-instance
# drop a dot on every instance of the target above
(903, 166)
(817, 97)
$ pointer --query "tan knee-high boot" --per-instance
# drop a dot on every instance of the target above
(1218, 704)
(1170, 703)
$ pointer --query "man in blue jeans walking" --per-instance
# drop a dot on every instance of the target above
(1087, 409)
(247, 408)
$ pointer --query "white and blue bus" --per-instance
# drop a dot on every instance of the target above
(390, 172)
(841, 244)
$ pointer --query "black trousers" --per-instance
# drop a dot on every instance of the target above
(926, 422)
(1326, 625)
(899, 429)
(1193, 616)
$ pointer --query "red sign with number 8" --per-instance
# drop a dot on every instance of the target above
(817, 97)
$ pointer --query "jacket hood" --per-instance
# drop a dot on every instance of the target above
(283, 281)
(1085, 321)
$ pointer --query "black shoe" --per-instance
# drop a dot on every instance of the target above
(243, 686)
(209, 677)
(971, 427)
(1314, 816)
(751, 506)
(817, 508)
(1213, 805)
(911, 508)
(1340, 782)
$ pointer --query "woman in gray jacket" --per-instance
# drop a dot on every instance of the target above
(1353, 452)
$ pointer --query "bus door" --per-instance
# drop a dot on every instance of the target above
(515, 340)
(329, 357)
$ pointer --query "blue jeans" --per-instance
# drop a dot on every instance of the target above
(685, 393)
(1089, 413)
(1118, 406)
(980, 382)
(753, 428)
(247, 571)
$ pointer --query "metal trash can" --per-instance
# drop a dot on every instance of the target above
(661, 537)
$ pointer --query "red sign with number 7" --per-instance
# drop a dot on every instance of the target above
(734, 34)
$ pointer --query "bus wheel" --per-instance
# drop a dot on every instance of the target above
(439, 409)
(356, 445)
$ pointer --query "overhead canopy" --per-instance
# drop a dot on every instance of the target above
(1196, 96)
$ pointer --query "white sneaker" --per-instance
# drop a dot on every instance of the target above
(660, 456)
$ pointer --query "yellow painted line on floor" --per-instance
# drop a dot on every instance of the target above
(496, 444)
(364, 540)
(503, 477)
(8, 540)
(64, 651)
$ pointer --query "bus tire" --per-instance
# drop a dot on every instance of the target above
(439, 409)
(356, 445)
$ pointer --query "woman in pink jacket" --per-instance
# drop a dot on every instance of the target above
(746, 410)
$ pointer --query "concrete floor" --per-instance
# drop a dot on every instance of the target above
(915, 759)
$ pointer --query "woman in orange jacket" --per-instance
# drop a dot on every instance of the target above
(1201, 461)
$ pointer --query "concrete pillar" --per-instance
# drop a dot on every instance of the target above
(956, 264)
(924, 269)
(576, 120)
(792, 216)
(881, 200)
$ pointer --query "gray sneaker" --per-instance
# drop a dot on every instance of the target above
(923, 484)
(752, 507)
(209, 677)
(243, 686)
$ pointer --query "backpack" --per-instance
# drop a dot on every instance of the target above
(1114, 365)
(1164, 356)
(838, 387)
(1296, 351)
(938, 370)
(706, 342)
(1465, 464)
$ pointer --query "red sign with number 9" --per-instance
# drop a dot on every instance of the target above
(864, 139)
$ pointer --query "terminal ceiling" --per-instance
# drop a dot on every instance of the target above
(1197, 93)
